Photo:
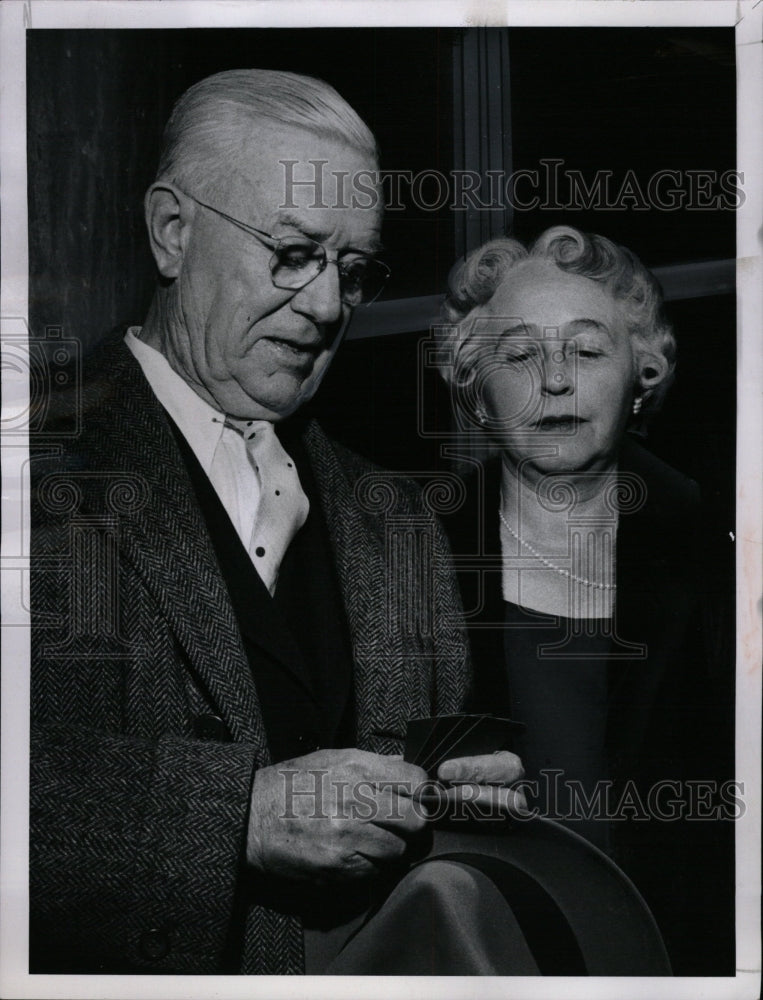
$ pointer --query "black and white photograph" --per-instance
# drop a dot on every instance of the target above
(381, 439)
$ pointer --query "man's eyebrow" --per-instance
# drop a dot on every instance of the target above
(294, 221)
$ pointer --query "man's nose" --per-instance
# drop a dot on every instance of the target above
(321, 299)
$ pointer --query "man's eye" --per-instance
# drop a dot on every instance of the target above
(296, 256)
(355, 267)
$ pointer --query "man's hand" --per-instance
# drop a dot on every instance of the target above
(333, 814)
(484, 781)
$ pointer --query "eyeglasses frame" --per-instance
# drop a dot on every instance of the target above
(271, 242)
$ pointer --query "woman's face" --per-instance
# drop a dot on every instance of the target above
(557, 375)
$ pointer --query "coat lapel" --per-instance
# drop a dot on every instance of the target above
(655, 556)
(392, 678)
(162, 533)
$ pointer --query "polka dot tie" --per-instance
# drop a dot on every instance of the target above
(283, 506)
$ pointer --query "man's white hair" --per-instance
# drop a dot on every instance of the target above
(207, 129)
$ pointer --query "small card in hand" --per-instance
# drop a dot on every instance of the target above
(430, 742)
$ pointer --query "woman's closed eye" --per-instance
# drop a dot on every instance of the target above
(519, 354)
(585, 351)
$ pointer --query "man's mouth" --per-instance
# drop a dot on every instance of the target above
(294, 352)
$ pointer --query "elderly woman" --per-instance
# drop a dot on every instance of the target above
(576, 548)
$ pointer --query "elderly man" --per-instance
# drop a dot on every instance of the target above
(209, 589)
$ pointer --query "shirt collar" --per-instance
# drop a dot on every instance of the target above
(198, 422)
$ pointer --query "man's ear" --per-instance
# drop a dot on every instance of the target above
(652, 370)
(168, 216)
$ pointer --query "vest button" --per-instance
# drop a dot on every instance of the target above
(308, 743)
(210, 727)
(155, 943)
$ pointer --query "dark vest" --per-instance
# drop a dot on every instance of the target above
(297, 642)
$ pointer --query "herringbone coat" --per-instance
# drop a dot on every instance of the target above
(138, 825)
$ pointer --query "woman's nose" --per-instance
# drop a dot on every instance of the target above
(557, 376)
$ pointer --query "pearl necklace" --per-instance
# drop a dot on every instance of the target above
(550, 565)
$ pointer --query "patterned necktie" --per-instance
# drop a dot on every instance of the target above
(283, 506)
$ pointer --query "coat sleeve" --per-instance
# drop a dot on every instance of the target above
(135, 850)
(136, 825)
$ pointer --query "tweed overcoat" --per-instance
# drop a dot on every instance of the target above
(137, 824)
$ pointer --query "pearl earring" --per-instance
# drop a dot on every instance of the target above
(637, 405)
(481, 416)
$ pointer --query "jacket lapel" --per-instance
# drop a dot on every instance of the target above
(655, 556)
(163, 535)
(392, 679)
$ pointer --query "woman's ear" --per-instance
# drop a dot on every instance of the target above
(168, 215)
(652, 370)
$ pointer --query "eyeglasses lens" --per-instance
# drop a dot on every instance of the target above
(295, 263)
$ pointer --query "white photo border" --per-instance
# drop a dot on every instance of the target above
(16, 18)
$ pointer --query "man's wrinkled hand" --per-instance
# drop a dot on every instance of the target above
(333, 814)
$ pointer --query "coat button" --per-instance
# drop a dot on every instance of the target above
(155, 943)
(210, 727)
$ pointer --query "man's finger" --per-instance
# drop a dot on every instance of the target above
(490, 800)
(399, 813)
(377, 843)
(501, 768)
(389, 769)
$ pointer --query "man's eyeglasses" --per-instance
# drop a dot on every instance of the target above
(298, 260)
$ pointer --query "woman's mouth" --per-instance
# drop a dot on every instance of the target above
(563, 423)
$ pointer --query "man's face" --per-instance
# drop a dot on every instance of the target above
(254, 350)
